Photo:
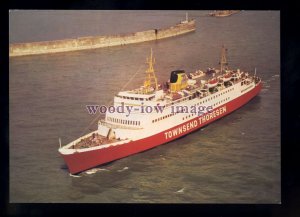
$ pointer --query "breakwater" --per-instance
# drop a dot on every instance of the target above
(224, 13)
(92, 42)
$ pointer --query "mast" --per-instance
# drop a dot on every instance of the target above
(151, 80)
(223, 61)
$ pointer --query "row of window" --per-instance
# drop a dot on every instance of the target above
(223, 100)
(215, 104)
(231, 89)
(186, 117)
(122, 121)
(135, 98)
(194, 96)
(182, 99)
(164, 117)
(199, 103)
(215, 96)
(177, 101)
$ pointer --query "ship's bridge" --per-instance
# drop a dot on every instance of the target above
(138, 105)
(133, 98)
(128, 95)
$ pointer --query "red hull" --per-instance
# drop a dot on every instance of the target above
(81, 161)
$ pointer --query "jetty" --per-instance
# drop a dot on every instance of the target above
(93, 42)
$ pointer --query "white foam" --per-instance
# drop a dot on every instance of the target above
(125, 168)
(90, 172)
(94, 170)
(74, 175)
(180, 191)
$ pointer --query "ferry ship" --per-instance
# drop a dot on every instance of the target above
(154, 121)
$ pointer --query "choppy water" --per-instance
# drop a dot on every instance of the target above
(233, 160)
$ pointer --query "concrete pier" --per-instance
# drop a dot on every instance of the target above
(92, 42)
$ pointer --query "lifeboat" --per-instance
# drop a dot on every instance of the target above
(212, 83)
(227, 77)
(197, 74)
(176, 96)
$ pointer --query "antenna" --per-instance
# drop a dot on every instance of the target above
(151, 78)
(223, 58)
(59, 142)
(151, 62)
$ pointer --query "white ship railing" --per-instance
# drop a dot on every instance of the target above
(104, 123)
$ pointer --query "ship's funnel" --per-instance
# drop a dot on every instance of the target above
(178, 80)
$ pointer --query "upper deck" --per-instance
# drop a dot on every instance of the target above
(181, 88)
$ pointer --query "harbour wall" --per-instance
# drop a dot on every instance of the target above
(92, 42)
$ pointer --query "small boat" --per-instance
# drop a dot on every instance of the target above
(212, 83)
(197, 74)
(227, 77)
